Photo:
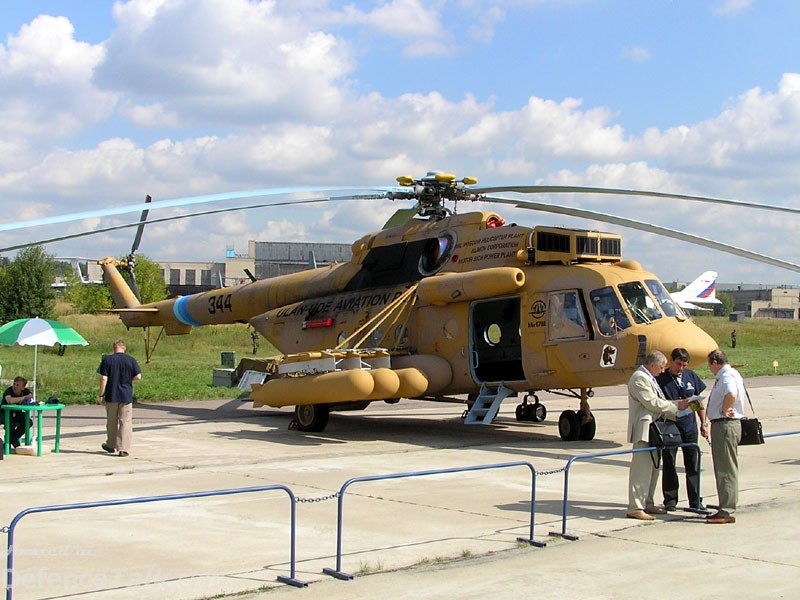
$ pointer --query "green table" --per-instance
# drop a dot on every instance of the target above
(38, 409)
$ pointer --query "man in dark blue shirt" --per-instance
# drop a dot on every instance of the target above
(117, 373)
(679, 382)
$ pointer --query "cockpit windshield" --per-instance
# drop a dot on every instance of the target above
(608, 311)
(641, 306)
(664, 299)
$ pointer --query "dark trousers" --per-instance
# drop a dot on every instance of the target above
(691, 460)
(17, 427)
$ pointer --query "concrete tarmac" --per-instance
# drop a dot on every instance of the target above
(435, 536)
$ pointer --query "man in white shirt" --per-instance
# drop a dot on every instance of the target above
(725, 409)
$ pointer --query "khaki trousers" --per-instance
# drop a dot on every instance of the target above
(725, 436)
(642, 479)
(119, 425)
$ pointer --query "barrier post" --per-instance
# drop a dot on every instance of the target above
(291, 580)
(339, 574)
(563, 532)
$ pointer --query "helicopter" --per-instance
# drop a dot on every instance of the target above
(440, 305)
(444, 305)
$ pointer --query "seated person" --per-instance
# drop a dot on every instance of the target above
(18, 393)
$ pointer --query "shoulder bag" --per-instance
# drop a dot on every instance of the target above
(752, 434)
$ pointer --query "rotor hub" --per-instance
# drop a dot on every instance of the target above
(432, 191)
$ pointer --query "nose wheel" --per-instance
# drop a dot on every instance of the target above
(531, 411)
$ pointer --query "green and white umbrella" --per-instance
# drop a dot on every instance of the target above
(39, 332)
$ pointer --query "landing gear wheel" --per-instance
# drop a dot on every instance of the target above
(588, 428)
(531, 411)
(569, 425)
(471, 398)
(311, 417)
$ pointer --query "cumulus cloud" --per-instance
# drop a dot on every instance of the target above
(221, 62)
(755, 135)
(45, 87)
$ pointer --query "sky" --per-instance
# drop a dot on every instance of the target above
(102, 103)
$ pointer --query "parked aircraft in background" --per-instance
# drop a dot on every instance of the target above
(82, 268)
(702, 290)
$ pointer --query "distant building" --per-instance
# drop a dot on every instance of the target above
(784, 303)
(764, 302)
(263, 260)
(183, 278)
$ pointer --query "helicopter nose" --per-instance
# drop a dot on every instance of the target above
(685, 335)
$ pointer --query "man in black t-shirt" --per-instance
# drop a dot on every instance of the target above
(117, 373)
(18, 393)
(679, 382)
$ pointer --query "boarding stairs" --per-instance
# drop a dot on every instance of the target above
(486, 405)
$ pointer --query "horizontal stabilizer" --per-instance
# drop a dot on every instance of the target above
(690, 306)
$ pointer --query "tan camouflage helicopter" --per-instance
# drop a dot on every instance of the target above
(439, 305)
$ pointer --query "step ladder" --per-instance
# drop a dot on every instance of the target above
(486, 405)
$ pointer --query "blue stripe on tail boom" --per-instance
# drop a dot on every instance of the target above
(181, 312)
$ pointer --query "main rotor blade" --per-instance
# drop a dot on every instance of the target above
(138, 238)
(575, 189)
(649, 227)
(79, 234)
(190, 200)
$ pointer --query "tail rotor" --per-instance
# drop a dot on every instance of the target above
(130, 261)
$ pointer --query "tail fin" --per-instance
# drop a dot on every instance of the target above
(120, 291)
(702, 290)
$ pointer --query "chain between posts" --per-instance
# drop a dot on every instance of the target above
(551, 472)
(319, 499)
(335, 495)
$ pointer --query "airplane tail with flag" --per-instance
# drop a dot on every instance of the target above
(702, 290)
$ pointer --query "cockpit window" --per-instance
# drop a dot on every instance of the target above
(565, 318)
(641, 306)
(664, 299)
(608, 311)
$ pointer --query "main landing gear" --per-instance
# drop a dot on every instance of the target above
(573, 425)
(311, 417)
(578, 424)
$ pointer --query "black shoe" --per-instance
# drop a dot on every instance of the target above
(700, 508)
(670, 507)
(123, 453)
(107, 448)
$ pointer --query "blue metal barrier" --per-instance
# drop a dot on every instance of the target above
(772, 435)
(291, 580)
(339, 574)
(563, 532)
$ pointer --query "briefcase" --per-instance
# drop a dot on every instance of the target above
(664, 434)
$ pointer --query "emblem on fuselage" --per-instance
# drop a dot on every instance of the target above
(609, 357)
(538, 309)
